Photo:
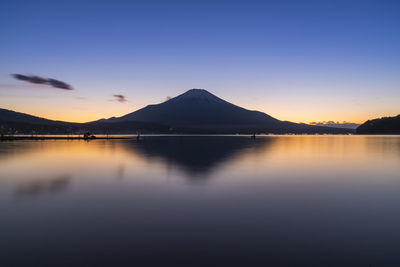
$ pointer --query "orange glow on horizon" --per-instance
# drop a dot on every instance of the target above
(72, 110)
(81, 116)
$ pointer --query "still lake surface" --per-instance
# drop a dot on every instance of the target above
(201, 201)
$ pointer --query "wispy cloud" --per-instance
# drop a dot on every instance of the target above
(165, 99)
(120, 98)
(343, 124)
(45, 81)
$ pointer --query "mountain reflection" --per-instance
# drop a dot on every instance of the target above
(197, 156)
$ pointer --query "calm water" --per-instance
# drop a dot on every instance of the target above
(204, 201)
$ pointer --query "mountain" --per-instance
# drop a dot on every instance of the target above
(198, 108)
(199, 111)
(385, 125)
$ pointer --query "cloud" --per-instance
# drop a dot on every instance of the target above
(59, 84)
(344, 124)
(120, 98)
(165, 99)
(45, 81)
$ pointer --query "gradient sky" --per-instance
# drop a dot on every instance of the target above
(301, 61)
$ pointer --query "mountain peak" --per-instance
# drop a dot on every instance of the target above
(198, 95)
(197, 92)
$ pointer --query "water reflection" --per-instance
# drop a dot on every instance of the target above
(197, 156)
(9, 149)
(273, 201)
(120, 171)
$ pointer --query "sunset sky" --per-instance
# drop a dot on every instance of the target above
(302, 61)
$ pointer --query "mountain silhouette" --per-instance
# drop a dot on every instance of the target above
(199, 111)
(386, 125)
(199, 108)
(15, 122)
(9, 115)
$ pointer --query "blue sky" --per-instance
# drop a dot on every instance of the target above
(295, 60)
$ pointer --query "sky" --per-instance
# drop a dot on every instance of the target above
(302, 61)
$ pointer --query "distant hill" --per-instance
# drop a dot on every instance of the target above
(9, 115)
(16, 122)
(199, 111)
(385, 125)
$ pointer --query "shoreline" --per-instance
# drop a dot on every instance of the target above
(135, 137)
(12, 138)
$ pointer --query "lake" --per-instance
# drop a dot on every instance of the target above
(201, 201)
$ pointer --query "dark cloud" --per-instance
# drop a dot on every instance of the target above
(59, 84)
(40, 80)
(120, 98)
